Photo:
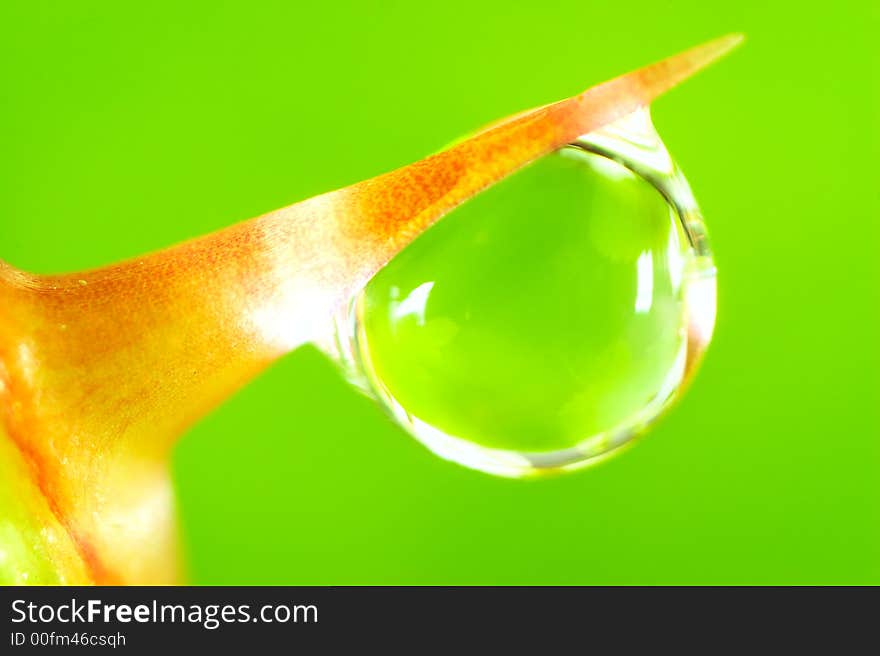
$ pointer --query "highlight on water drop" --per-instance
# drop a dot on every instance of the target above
(549, 320)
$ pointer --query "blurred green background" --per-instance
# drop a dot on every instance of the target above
(126, 127)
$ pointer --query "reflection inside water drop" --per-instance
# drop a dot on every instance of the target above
(548, 320)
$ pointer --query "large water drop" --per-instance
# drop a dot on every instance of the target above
(548, 320)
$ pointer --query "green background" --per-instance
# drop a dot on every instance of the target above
(126, 127)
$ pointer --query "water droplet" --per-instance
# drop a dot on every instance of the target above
(550, 319)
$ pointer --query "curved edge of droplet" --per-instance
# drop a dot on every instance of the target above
(525, 464)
